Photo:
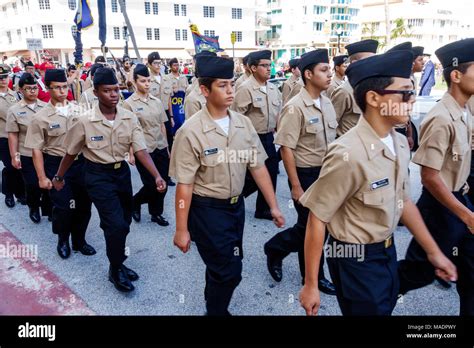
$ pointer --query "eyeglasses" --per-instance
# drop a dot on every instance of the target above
(30, 89)
(156, 62)
(59, 88)
(266, 66)
(407, 94)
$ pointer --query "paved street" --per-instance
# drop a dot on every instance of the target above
(172, 283)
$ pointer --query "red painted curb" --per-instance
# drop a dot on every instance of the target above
(28, 287)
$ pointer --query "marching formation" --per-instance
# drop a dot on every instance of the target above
(342, 130)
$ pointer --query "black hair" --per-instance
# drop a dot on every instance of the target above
(310, 68)
(207, 82)
(370, 84)
(461, 68)
(173, 61)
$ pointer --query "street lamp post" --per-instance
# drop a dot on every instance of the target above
(339, 34)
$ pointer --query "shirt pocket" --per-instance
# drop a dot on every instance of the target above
(258, 102)
(314, 128)
(459, 151)
(55, 131)
(210, 161)
(96, 145)
(378, 197)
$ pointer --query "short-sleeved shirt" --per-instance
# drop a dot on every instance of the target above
(214, 162)
(194, 102)
(194, 86)
(295, 89)
(262, 107)
(347, 111)
(307, 129)
(103, 143)
(242, 78)
(88, 98)
(152, 117)
(470, 106)
(362, 187)
(335, 82)
(6, 102)
(288, 86)
(179, 83)
(161, 90)
(48, 129)
(18, 120)
(445, 142)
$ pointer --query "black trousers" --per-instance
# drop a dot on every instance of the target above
(35, 196)
(456, 242)
(365, 285)
(217, 228)
(110, 189)
(148, 193)
(12, 181)
(292, 239)
(169, 130)
(272, 165)
(71, 205)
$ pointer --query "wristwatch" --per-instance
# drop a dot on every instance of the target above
(58, 178)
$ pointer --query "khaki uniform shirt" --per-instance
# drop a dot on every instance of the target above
(88, 83)
(362, 186)
(262, 104)
(152, 117)
(194, 102)
(214, 162)
(347, 111)
(6, 102)
(295, 89)
(470, 106)
(194, 86)
(19, 118)
(103, 143)
(336, 82)
(88, 98)
(307, 129)
(179, 83)
(242, 78)
(445, 142)
(162, 90)
(48, 129)
(288, 86)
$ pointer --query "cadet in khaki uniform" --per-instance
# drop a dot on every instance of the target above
(444, 156)
(307, 127)
(12, 181)
(213, 151)
(362, 193)
(347, 110)
(293, 82)
(18, 119)
(179, 81)
(340, 66)
(247, 73)
(152, 118)
(260, 101)
(88, 98)
(105, 135)
(194, 86)
(470, 181)
(193, 103)
(45, 135)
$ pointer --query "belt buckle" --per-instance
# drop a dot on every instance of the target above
(117, 165)
(465, 189)
(388, 242)
(234, 199)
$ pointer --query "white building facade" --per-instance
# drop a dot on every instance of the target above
(157, 25)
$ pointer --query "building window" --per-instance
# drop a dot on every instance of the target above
(236, 13)
(149, 34)
(72, 4)
(176, 9)
(15, 9)
(209, 33)
(155, 8)
(185, 34)
(147, 7)
(317, 26)
(124, 5)
(114, 6)
(238, 36)
(9, 36)
(44, 5)
(177, 34)
(18, 32)
(317, 10)
(157, 33)
(117, 33)
(47, 31)
(209, 11)
(183, 10)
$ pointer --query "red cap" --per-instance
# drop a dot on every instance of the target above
(16, 69)
(45, 66)
(37, 66)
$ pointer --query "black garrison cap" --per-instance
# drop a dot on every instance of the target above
(215, 67)
(313, 57)
(456, 53)
(362, 46)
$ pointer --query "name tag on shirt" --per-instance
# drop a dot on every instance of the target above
(378, 184)
(97, 138)
(139, 109)
(258, 99)
(54, 126)
(210, 151)
(314, 120)
(21, 113)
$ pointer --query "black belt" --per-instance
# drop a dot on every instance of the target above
(217, 201)
(307, 170)
(107, 166)
(52, 158)
(368, 248)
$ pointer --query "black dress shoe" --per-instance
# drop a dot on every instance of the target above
(266, 215)
(63, 249)
(9, 201)
(120, 280)
(160, 220)
(85, 249)
(131, 274)
(50, 218)
(137, 214)
(170, 183)
(274, 265)
(35, 215)
(21, 200)
(327, 287)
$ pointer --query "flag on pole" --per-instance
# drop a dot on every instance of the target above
(204, 43)
(102, 22)
(83, 17)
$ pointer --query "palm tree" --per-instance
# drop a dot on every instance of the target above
(400, 29)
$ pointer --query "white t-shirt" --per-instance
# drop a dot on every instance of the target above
(388, 141)
(317, 102)
(111, 122)
(464, 113)
(31, 106)
(224, 124)
(63, 110)
(158, 78)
